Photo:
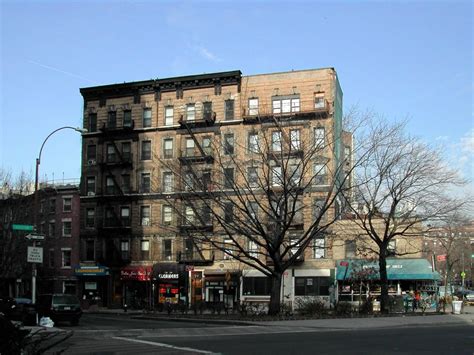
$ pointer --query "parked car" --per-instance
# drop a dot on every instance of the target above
(469, 296)
(59, 307)
(24, 311)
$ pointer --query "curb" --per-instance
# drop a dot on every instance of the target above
(194, 320)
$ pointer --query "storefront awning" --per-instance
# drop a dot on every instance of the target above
(168, 271)
(135, 273)
(397, 269)
(91, 270)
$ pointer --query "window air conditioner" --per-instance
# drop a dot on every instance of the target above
(91, 193)
(145, 221)
(91, 162)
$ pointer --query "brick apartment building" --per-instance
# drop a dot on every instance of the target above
(135, 248)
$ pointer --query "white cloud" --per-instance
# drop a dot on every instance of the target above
(442, 138)
(467, 143)
(205, 53)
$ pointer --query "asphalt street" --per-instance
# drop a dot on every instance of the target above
(119, 334)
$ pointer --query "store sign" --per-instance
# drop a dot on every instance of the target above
(168, 276)
(84, 270)
(135, 273)
(35, 255)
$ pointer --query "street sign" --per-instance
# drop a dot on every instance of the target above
(35, 237)
(35, 255)
(22, 227)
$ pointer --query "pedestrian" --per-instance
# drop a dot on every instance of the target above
(417, 299)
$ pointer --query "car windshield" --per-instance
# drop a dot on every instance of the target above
(22, 300)
(65, 299)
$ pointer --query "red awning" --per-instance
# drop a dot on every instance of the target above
(135, 273)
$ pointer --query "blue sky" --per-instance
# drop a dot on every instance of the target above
(401, 59)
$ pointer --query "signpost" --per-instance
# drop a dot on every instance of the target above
(35, 255)
(23, 227)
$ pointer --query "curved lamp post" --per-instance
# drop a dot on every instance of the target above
(35, 207)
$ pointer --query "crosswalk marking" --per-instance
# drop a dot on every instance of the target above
(163, 345)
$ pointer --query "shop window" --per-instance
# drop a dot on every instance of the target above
(312, 286)
(257, 286)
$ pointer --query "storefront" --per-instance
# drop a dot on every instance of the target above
(93, 280)
(222, 287)
(169, 284)
(357, 278)
(136, 286)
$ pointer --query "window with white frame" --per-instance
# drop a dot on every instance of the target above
(190, 112)
(319, 102)
(90, 185)
(207, 145)
(253, 146)
(319, 247)
(392, 247)
(228, 249)
(229, 110)
(252, 207)
(295, 139)
(284, 104)
(168, 148)
(169, 114)
(190, 147)
(253, 106)
(127, 118)
(167, 215)
(320, 174)
(207, 110)
(319, 137)
(66, 258)
(276, 141)
(145, 182)
(67, 227)
(167, 181)
(67, 204)
(318, 208)
(277, 178)
(252, 176)
(189, 215)
(253, 249)
(146, 150)
(188, 181)
(294, 175)
(125, 216)
(228, 144)
(294, 244)
(145, 249)
(145, 215)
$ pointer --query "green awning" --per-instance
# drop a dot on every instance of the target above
(397, 269)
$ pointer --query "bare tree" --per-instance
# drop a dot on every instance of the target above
(400, 186)
(266, 205)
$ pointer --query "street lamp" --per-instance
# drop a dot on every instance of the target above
(35, 206)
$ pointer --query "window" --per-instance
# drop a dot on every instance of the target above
(257, 286)
(347, 155)
(91, 185)
(206, 216)
(206, 180)
(285, 104)
(253, 146)
(320, 174)
(188, 249)
(67, 225)
(169, 113)
(126, 183)
(127, 118)
(319, 250)
(229, 110)
(252, 176)
(188, 215)
(294, 245)
(189, 147)
(91, 152)
(146, 150)
(294, 174)
(145, 215)
(318, 207)
(319, 137)
(206, 145)
(207, 110)
(67, 204)
(253, 209)
(90, 250)
(167, 252)
(228, 212)
(312, 286)
(145, 249)
(110, 185)
(392, 247)
(52, 229)
(253, 106)
(228, 249)
(125, 216)
(52, 205)
(190, 112)
(126, 151)
(92, 126)
(319, 102)
(228, 144)
(110, 220)
(66, 258)
(125, 249)
(110, 153)
(188, 181)
(350, 248)
(146, 117)
(112, 120)
(166, 215)
(145, 182)
(167, 181)
(277, 178)
(168, 148)
(51, 258)
(276, 141)
(90, 217)
(295, 139)
(253, 249)
(228, 178)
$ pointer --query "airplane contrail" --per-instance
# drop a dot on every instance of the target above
(62, 71)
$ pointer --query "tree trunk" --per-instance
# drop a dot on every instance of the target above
(383, 282)
(275, 295)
